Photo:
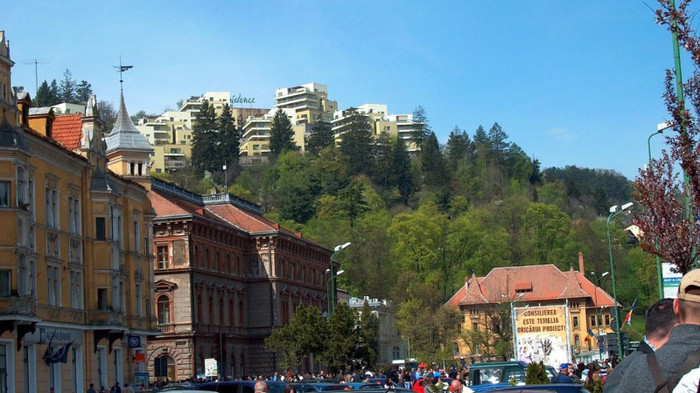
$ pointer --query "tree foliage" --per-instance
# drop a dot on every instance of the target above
(669, 207)
(281, 134)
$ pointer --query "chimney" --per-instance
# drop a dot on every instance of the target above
(580, 263)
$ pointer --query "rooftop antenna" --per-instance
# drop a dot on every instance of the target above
(120, 69)
(36, 63)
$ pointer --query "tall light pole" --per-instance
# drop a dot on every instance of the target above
(329, 284)
(659, 273)
(331, 298)
(597, 309)
(614, 213)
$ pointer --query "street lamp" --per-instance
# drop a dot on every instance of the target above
(331, 298)
(659, 274)
(331, 283)
(597, 309)
(614, 213)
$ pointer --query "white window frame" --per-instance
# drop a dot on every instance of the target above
(55, 376)
(4, 193)
(9, 365)
(76, 289)
(118, 365)
(77, 372)
(30, 368)
(52, 213)
(74, 218)
(22, 187)
(53, 280)
(102, 375)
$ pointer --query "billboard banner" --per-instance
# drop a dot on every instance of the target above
(542, 334)
(671, 281)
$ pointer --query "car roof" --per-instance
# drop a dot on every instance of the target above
(497, 364)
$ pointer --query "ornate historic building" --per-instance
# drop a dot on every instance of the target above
(224, 277)
(75, 265)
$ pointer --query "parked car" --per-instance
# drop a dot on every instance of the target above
(303, 387)
(551, 388)
(239, 386)
(484, 376)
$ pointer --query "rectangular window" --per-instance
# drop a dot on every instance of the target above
(51, 208)
(4, 368)
(101, 298)
(607, 320)
(475, 326)
(593, 322)
(4, 194)
(76, 289)
(5, 284)
(139, 301)
(74, 215)
(100, 232)
(163, 258)
(102, 366)
(575, 322)
(137, 233)
(22, 188)
(53, 278)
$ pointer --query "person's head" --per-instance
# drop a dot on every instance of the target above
(92, 385)
(564, 368)
(687, 306)
(660, 321)
(260, 387)
(455, 386)
(288, 388)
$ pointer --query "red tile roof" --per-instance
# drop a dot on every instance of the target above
(67, 129)
(528, 284)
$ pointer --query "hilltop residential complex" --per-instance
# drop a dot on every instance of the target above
(170, 134)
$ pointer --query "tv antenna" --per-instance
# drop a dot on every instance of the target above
(120, 69)
(36, 63)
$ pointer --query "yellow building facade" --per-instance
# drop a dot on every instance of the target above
(75, 271)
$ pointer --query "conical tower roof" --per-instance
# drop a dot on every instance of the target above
(124, 135)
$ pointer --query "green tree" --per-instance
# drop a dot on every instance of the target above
(205, 140)
(108, 114)
(83, 91)
(352, 201)
(302, 337)
(340, 342)
(47, 94)
(229, 142)
(294, 196)
(457, 148)
(366, 345)
(356, 144)
(67, 90)
(421, 126)
(432, 162)
(281, 134)
(321, 137)
(401, 174)
(550, 236)
(536, 374)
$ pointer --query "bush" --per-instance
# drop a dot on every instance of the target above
(536, 374)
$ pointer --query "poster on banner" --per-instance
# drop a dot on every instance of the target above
(542, 334)
(671, 280)
(140, 379)
(211, 367)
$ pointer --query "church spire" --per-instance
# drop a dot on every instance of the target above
(128, 152)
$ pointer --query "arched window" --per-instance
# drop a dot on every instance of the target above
(163, 309)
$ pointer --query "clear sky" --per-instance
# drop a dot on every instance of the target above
(571, 82)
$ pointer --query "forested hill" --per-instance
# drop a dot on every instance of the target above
(420, 223)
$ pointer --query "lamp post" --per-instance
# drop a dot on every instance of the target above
(597, 309)
(331, 298)
(614, 213)
(659, 273)
(329, 284)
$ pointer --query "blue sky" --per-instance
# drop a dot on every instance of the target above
(571, 82)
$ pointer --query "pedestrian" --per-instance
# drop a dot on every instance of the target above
(115, 388)
(128, 388)
(260, 387)
(91, 389)
(684, 340)
(563, 376)
(660, 322)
